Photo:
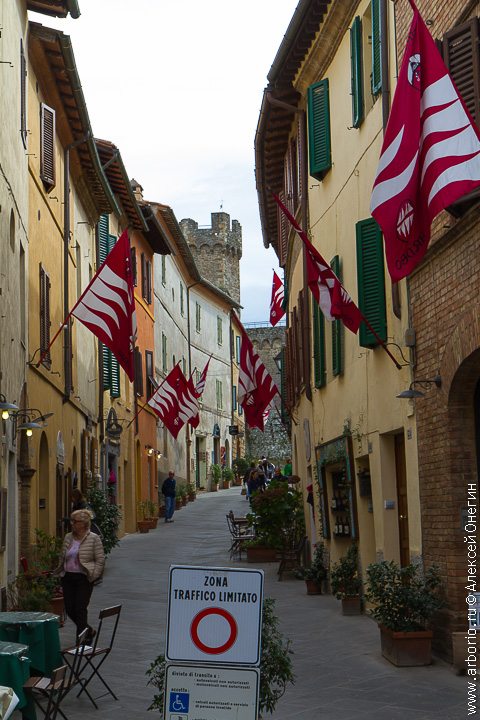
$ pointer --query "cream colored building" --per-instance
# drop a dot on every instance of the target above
(318, 142)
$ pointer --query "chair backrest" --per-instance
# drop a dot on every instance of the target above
(231, 526)
(106, 631)
(77, 652)
(56, 692)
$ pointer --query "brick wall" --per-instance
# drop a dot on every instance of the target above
(444, 297)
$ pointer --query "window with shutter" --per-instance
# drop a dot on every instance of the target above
(138, 383)
(238, 342)
(371, 281)
(107, 368)
(300, 157)
(319, 145)
(198, 317)
(219, 330)
(301, 337)
(133, 260)
(376, 48)
(164, 352)
(45, 316)
(47, 146)
(319, 368)
(149, 374)
(115, 381)
(103, 235)
(182, 301)
(337, 328)
(149, 282)
(282, 232)
(144, 276)
(164, 271)
(234, 397)
(295, 354)
(357, 72)
(23, 95)
(461, 54)
(294, 172)
(290, 393)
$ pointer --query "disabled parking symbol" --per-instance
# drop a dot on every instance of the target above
(179, 702)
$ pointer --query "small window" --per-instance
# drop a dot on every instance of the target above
(47, 146)
(149, 373)
(45, 316)
(238, 342)
(337, 328)
(219, 389)
(318, 346)
(138, 382)
(219, 330)
(164, 352)
(356, 56)
(182, 300)
(133, 259)
(144, 276)
(376, 48)
(197, 317)
(164, 271)
(111, 372)
(234, 397)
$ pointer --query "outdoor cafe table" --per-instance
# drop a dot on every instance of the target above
(38, 630)
(14, 672)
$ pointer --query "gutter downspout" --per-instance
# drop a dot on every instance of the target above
(304, 222)
(188, 439)
(67, 348)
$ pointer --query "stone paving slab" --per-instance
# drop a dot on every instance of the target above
(340, 673)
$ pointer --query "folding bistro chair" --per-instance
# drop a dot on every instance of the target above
(49, 688)
(73, 657)
(239, 535)
(95, 656)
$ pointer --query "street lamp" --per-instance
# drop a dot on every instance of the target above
(412, 393)
(30, 419)
(6, 407)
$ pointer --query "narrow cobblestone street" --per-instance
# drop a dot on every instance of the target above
(339, 669)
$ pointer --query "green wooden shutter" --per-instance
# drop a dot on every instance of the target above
(337, 329)
(319, 145)
(103, 238)
(107, 367)
(115, 377)
(371, 281)
(318, 346)
(357, 72)
(376, 49)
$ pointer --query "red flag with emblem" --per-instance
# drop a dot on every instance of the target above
(328, 291)
(200, 386)
(430, 155)
(277, 310)
(256, 388)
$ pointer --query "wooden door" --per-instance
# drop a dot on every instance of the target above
(402, 500)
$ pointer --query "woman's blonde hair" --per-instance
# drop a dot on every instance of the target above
(84, 516)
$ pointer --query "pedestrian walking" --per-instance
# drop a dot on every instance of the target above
(267, 467)
(246, 478)
(169, 493)
(287, 470)
(81, 565)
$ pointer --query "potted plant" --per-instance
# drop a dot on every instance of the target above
(191, 494)
(277, 518)
(404, 601)
(316, 573)
(106, 515)
(216, 475)
(345, 582)
(227, 477)
(151, 513)
(275, 666)
(143, 523)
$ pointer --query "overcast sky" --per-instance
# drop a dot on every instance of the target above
(177, 86)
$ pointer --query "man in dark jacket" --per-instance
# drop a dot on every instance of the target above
(169, 493)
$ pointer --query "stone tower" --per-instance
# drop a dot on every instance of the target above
(217, 251)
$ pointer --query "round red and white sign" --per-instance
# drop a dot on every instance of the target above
(210, 613)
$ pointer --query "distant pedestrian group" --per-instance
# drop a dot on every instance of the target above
(260, 474)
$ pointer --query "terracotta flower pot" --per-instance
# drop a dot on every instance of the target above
(351, 605)
(143, 526)
(406, 649)
(260, 553)
(191, 497)
(313, 587)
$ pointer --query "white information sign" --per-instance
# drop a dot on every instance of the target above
(203, 692)
(214, 615)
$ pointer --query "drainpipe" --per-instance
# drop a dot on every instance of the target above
(67, 348)
(188, 439)
(304, 223)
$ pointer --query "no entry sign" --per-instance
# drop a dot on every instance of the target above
(214, 615)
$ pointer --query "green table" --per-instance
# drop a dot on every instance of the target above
(38, 630)
(14, 672)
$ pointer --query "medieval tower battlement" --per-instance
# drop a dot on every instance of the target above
(217, 251)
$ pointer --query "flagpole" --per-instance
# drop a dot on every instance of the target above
(62, 327)
(381, 342)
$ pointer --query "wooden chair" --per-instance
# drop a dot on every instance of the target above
(48, 688)
(73, 657)
(95, 656)
(291, 557)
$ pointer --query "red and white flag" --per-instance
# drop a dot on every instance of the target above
(174, 402)
(200, 386)
(277, 310)
(256, 388)
(430, 156)
(328, 291)
(107, 306)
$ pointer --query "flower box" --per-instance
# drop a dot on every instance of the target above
(406, 649)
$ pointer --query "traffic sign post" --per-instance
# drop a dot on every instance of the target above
(196, 692)
(214, 615)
